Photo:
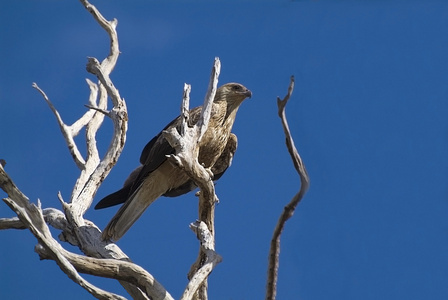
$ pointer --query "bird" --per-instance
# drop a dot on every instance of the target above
(156, 176)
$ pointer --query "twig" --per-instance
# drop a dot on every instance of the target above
(288, 211)
(67, 131)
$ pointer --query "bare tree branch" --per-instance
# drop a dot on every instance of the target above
(212, 258)
(209, 96)
(90, 179)
(111, 60)
(67, 131)
(11, 223)
(52, 216)
(32, 217)
(185, 113)
(288, 211)
(112, 268)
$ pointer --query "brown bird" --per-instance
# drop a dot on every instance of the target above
(157, 177)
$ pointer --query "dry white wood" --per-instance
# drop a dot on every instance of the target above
(32, 217)
(209, 96)
(112, 268)
(185, 113)
(212, 258)
(75, 229)
(11, 223)
(52, 216)
(67, 131)
(186, 158)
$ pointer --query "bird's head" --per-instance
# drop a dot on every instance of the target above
(232, 93)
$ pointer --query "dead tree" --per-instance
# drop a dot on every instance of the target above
(103, 258)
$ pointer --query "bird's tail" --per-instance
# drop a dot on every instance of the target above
(133, 208)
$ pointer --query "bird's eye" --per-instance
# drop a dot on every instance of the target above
(236, 87)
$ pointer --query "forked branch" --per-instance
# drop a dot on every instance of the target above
(186, 158)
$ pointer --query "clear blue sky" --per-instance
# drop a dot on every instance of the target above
(368, 115)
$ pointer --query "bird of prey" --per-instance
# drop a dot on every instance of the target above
(156, 176)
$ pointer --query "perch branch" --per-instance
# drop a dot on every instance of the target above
(186, 158)
(288, 211)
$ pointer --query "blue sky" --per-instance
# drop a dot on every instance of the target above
(368, 115)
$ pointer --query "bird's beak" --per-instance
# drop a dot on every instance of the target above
(248, 93)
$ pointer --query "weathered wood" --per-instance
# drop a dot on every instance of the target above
(186, 158)
(75, 229)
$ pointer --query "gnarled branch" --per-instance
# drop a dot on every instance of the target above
(112, 268)
(32, 218)
(75, 229)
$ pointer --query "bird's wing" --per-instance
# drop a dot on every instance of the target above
(225, 160)
(121, 195)
(152, 156)
(148, 150)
